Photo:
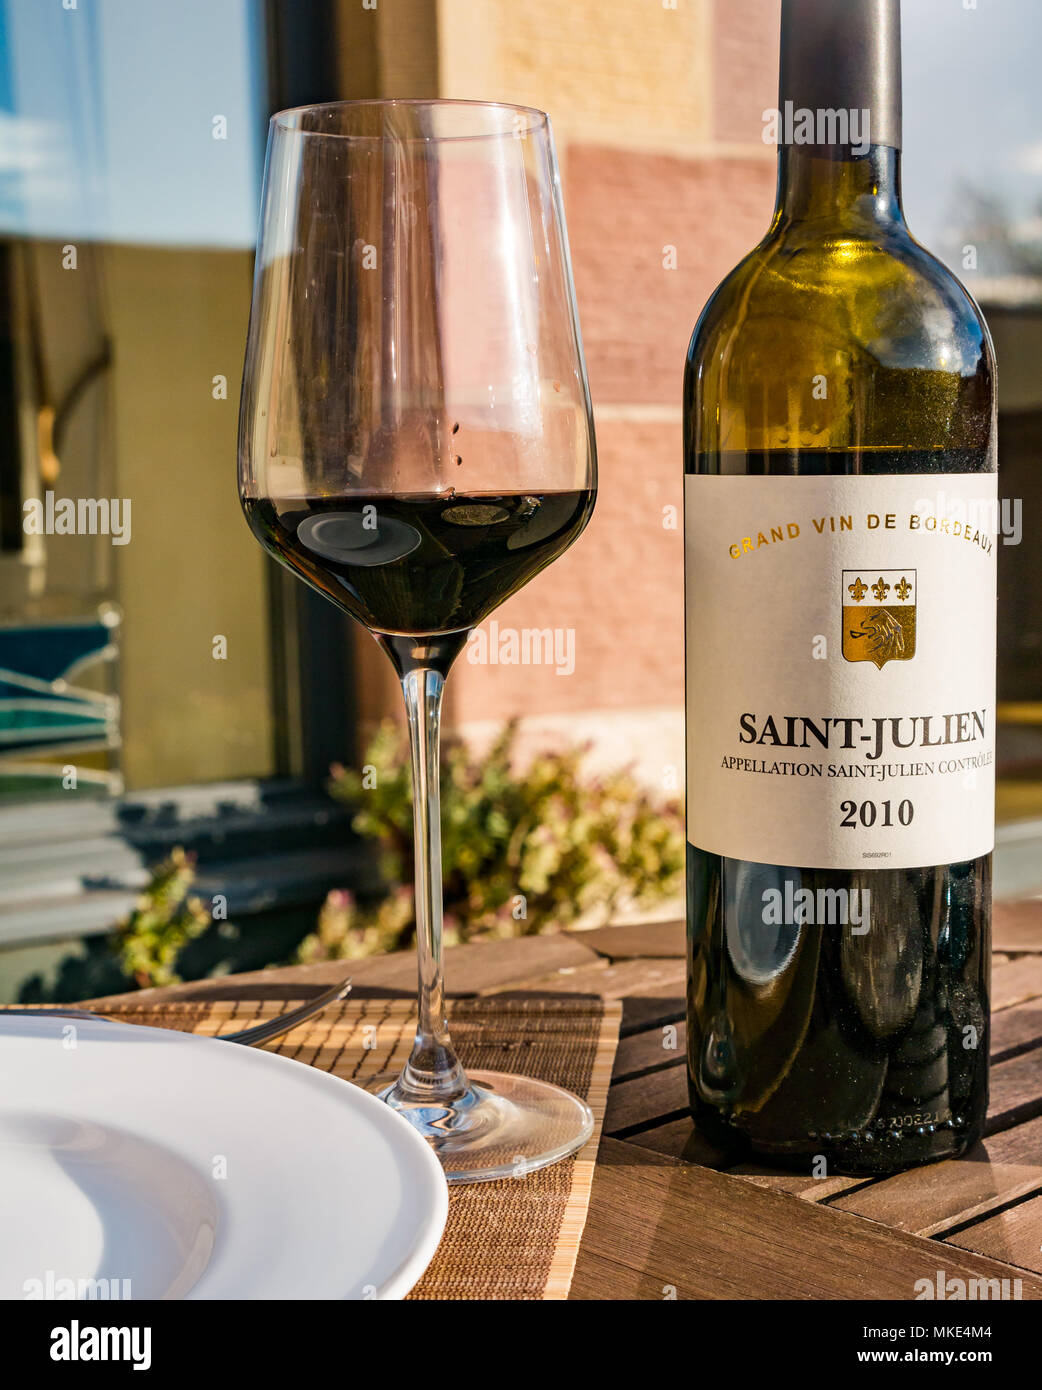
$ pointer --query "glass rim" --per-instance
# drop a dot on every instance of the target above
(284, 121)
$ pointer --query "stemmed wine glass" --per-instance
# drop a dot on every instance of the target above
(416, 442)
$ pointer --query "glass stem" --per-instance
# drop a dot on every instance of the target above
(433, 1070)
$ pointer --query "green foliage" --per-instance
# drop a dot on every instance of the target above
(165, 918)
(523, 852)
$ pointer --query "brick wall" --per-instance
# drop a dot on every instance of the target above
(657, 116)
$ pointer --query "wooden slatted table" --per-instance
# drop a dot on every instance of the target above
(667, 1221)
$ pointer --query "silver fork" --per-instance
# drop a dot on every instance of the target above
(249, 1037)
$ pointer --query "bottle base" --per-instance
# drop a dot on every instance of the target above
(869, 1154)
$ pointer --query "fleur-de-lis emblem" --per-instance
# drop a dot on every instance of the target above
(880, 589)
(885, 630)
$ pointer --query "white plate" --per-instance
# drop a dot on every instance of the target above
(200, 1169)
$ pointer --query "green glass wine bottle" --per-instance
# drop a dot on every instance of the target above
(840, 531)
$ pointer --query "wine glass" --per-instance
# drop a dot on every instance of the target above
(416, 442)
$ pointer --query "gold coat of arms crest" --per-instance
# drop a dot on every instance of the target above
(879, 615)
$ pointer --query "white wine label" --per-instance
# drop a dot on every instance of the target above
(841, 668)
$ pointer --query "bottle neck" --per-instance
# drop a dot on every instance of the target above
(819, 186)
(838, 122)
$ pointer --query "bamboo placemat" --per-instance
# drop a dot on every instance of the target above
(516, 1238)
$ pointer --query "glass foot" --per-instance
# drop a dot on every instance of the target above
(501, 1126)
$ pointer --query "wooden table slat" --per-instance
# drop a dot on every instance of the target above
(798, 1184)
(645, 1099)
(1015, 926)
(657, 1227)
(1019, 979)
(1016, 1091)
(652, 977)
(1016, 1029)
(637, 941)
(476, 968)
(650, 1049)
(939, 1196)
(1014, 1236)
(679, 1142)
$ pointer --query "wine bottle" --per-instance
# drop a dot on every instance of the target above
(840, 532)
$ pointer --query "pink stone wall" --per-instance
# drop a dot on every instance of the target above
(659, 209)
(630, 214)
